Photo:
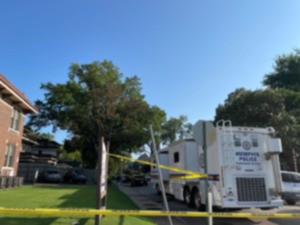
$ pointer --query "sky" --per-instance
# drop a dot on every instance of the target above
(189, 55)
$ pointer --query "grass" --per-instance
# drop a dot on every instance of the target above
(65, 196)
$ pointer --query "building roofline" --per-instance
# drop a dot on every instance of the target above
(29, 140)
(8, 90)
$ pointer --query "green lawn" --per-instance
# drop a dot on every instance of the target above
(65, 196)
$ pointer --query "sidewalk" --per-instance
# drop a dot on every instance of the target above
(145, 204)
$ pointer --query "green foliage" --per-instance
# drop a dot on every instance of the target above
(157, 117)
(96, 101)
(286, 72)
(35, 135)
(175, 128)
(278, 108)
(251, 108)
(75, 155)
(286, 76)
(85, 146)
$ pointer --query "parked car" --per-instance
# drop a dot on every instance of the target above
(137, 180)
(148, 177)
(75, 176)
(49, 176)
(291, 187)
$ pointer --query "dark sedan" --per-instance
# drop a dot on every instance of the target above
(137, 180)
(75, 177)
(49, 176)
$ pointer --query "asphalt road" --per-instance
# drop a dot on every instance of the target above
(149, 193)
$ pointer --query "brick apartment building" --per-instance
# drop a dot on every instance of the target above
(13, 108)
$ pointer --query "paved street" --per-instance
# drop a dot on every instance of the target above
(146, 198)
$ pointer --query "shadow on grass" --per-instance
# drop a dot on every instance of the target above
(83, 198)
(41, 220)
(26, 221)
(121, 220)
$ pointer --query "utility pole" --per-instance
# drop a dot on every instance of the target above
(295, 160)
(98, 191)
(101, 178)
(162, 187)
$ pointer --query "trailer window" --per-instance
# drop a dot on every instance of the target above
(286, 177)
(254, 141)
(237, 140)
(296, 178)
(176, 157)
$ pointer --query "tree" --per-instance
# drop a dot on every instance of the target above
(74, 155)
(286, 79)
(175, 128)
(286, 72)
(251, 108)
(277, 106)
(94, 102)
(264, 108)
(35, 135)
(158, 118)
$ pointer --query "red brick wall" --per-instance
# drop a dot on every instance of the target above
(8, 135)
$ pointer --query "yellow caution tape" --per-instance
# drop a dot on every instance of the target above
(149, 213)
(191, 174)
(185, 177)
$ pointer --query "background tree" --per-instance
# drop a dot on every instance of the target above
(75, 156)
(286, 79)
(264, 108)
(175, 128)
(35, 135)
(286, 72)
(251, 108)
(96, 101)
(157, 117)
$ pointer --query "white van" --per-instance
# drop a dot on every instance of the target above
(291, 187)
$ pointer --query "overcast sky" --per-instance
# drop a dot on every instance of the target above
(189, 55)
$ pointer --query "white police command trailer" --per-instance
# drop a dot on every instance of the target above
(242, 166)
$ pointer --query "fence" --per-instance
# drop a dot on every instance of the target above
(28, 171)
(10, 182)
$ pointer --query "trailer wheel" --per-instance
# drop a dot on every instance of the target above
(132, 183)
(197, 200)
(158, 191)
(187, 197)
(290, 202)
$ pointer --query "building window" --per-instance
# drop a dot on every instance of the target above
(15, 119)
(9, 155)
(176, 157)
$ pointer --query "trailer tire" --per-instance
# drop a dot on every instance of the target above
(290, 201)
(158, 191)
(187, 197)
(132, 183)
(197, 200)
